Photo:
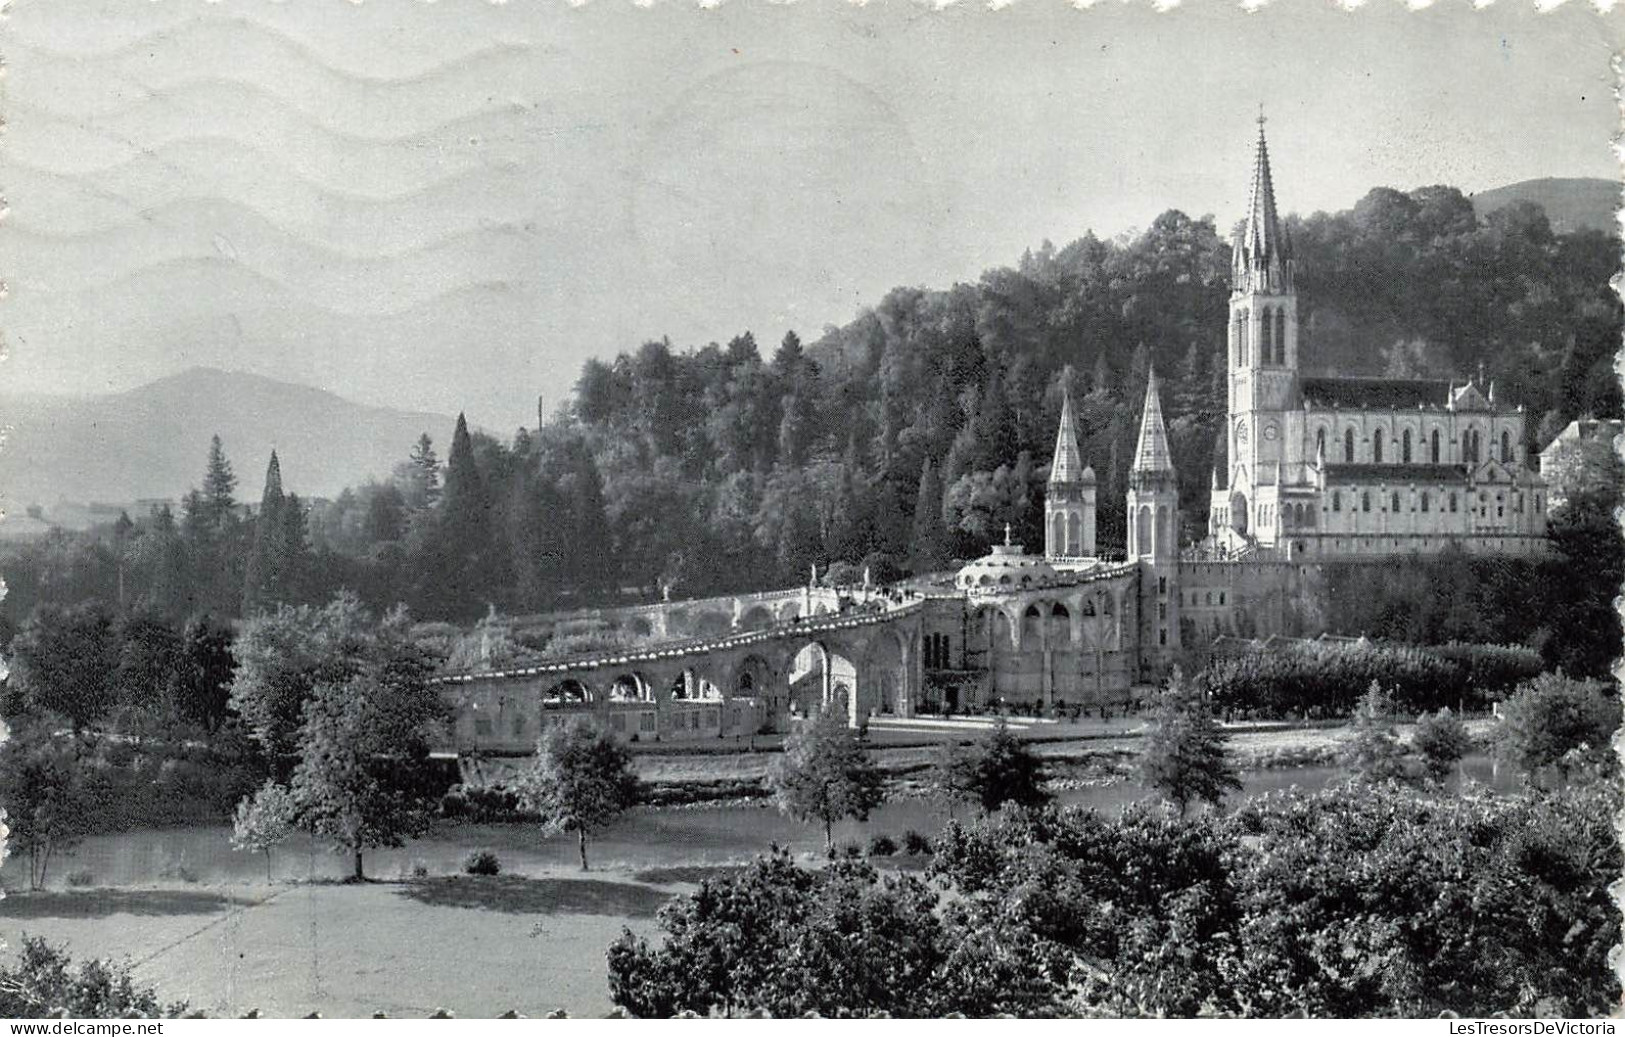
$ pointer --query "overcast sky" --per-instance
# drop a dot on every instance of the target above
(449, 206)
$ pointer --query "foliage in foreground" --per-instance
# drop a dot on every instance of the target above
(1384, 902)
(44, 983)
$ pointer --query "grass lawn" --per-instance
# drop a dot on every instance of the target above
(474, 946)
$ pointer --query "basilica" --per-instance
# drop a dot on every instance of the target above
(1315, 470)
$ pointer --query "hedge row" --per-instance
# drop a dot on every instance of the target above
(1318, 679)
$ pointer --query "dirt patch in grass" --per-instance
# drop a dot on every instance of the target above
(515, 895)
(100, 903)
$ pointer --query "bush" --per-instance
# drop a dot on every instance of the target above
(482, 862)
(915, 844)
(852, 850)
(44, 982)
(881, 845)
(80, 878)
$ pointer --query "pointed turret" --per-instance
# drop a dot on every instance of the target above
(1151, 453)
(1069, 503)
(1263, 255)
(1067, 467)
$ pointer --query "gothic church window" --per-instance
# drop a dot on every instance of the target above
(1435, 446)
(1280, 337)
(1365, 500)
(1348, 446)
(1452, 503)
(1320, 442)
(1376, 447)
(1266, 338)
(1395, 507)
(1337, 501)
(1506, 447)
(1425, 501)
(1405, 448)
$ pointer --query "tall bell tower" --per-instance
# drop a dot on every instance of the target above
(1069, 502)
(1264, 432)
(1153, 535)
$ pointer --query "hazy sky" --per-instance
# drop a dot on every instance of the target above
(449, 206)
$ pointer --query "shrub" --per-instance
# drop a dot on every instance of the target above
(80, 878)
(882, 845)
(45, 982)
(482, 862)
(851, 850)
(420, 870)
(915, 844)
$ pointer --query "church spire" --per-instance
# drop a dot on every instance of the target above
(1263, 255)
(1151, 453)
(1067, 467)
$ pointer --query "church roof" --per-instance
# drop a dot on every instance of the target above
(1151, 453)
(1395, 473)
(1374, 393)
(1068, 464)
(1263, 252)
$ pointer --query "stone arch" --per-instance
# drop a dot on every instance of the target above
(1348, 445)
(1060, 627)
(567, 692)
(1032, 627)
(1142, 531)
(711, 623)
(755, 618)
(1320, 442)
(1238, 512)
(1376, 445)
(808, 669)
(630, 686)
(691, 686)
(1405, 448)
(1074, 535)
(1506, 447)
(885, 686)
(1057, 534)
(788, 610)
(639, 625)
(1433, 446)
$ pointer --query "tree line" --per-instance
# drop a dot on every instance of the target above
(899, 441)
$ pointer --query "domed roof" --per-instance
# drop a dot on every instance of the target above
(1007, 567)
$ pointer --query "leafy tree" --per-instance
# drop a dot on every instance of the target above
(1183, 755)
(203, 680)
(1005, 770)
(149, 662)
(44, 783)
(44, 983)
(1442, 740)
(65, 661)
(952, 773)
(264, 821)
(283, 655)
(582, 780)
(360, 778)
(1374, 752)
(825, 775)
(1556, 726)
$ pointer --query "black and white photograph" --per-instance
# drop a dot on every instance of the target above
(815, 510)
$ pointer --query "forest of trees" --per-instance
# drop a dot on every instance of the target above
(901, 441)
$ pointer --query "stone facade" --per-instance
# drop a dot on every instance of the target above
(1354, 467)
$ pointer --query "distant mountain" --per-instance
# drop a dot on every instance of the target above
(153, 441)
(1571, 204)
